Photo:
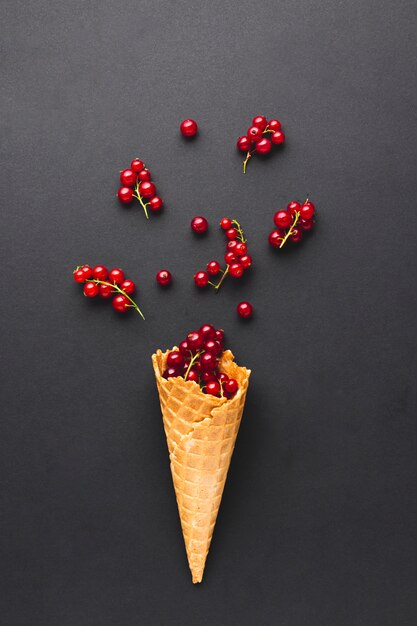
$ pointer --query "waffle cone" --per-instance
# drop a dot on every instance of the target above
(201, 431)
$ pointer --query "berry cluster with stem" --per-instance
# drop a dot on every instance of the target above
(197, 359)
(236, 257)
(136, 183)
(291, 223)
(98, 281)
(260, 137)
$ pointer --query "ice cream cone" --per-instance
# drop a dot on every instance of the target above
(201, 432)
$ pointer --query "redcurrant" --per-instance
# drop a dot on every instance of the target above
(188, 128)
(164, 278)
(125, 195)
(201, 279)
(199, 224)
(244, 309)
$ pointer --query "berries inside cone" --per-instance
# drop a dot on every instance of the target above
(197, 359)
(292, 223)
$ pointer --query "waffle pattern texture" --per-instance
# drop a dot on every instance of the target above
(201, 431)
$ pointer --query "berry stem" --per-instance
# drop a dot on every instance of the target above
(239, 230)
(137, 195)
(226, 271)
(291, 228)
(193, 360)
(245, 162)
(117, 288)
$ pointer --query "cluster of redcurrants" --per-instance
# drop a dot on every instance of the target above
(136, 183)
(260, 137)
(197, 359)
(98, 281)
(236, 257)
(291, 223)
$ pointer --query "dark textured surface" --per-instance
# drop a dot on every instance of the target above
(318, 523)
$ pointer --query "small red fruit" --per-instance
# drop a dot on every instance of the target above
(194, 340)
(259, 121)
(155, 203)
(170, 372)
(283, 219)
(90, 290)
(128, 178)
(307, 210)
(128, 286)
(223, 377)
(219, 336)
(79, 276)
(116, 276)
(207, 331)
(245, 261)
(243, 144)
(306, 224)
(296, 235)
(208, 361)
(201, 279)
(212, 345)
(236, 270)
(193, 375)
(188, 128)
(278, 137)
(275, 238)
(230, 258)
(292, 207)
(175, 359)
(125, 195)
(100, 272)
(240, 248)
(254, 133)
(199, 224)
(263, 146)
(231, 233)
(147, 189)
(226, 223)
(120, 304)
(274, 125)
(232, 245)
(244, 309)
(144, 175)
(230, 386)
(137, 165)
(213, 268)
(105, 291)
(212, 388)
(164, 278)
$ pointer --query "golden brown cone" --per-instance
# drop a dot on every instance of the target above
(201, 432)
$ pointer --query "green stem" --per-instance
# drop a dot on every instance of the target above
(239, 230)
(226, 271)
(139, 197)
(291, 229)
(193, 360)
(245, 162)
(117, 288)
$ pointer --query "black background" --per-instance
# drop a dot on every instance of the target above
(318, 520)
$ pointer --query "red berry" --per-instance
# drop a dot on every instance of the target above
(207, 331)
(259, 121)
(240, 249)
(147, 189)
(292, 207)
(231, 233)
(275, 238)
(230, 258)
(91, 290)
(199, 224)
(274, 125)
(223, 377)
(194, 340)
(184, 349)
(201, 279)
(207, 377)
(100, 272)
(188, 128)
(128, 287)
(307, 210)
(212, 388)
(193, 375)
(245, 261)
(105, 291)
(296, 235)
(306, 224)
(79, 276)
(120, 304)
(164, 278)
(116, 276)
(254, 133)
(219, 336)
(155, 203)
(236, 270)
(125, 195)
(175, 359)
(213, 268)
(137, 165)
(243, 144)
(244, 309)
(263, 146)
(230, 386)
(144, 175)
(283, 219)
(226, 223)
(212, 345)
(278, 137)
(170, 372)
(208, 361)
(231, 245)
(128, 178)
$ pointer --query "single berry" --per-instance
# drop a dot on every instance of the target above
(230, 386)
(105, 291)
(213, 268)
(245, 261)
(223, 377)
(193, 375)
(207, 331)
(201, 279)
(236, 270)
(125, 195)
(155, 203)
(230, 258)
(184, 349)
(128, 178)
(116, 276)
(207, 377)
(90, 290)
(170, 372)
(79, 276)
(208, 361)
(260, 122)
(120, 304)
(307, 210)
(232, 245)
(144, 175)
(306, 224)
(219, 335)
(212, 345)
(128, 286)
(292, 207)
(137, 165)
(275, 238)
(194, 340)
(212, 388)
(100, 272)
(278, 137)
(296, 235)
(188, 128)
(88, 272)
(244, 309)
(226, 223)
(164, 278)
(254, 133)
(147, 189)
(263, 146)
(240, 249)
(283, 219)
(199, 224)
(231, 233)
(175, 359)
(274, 125)
(243, 144)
